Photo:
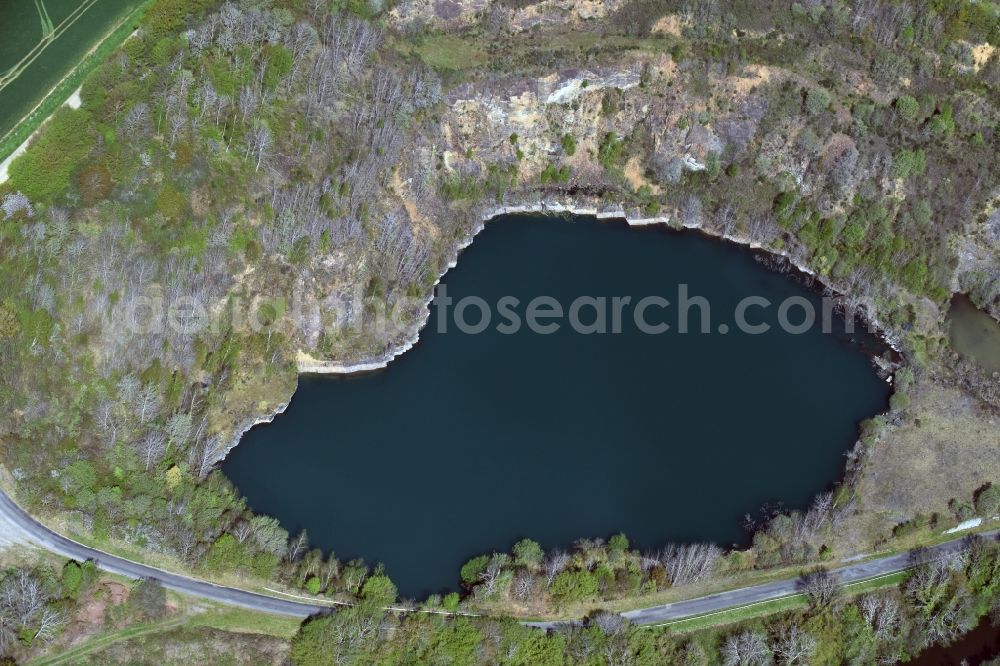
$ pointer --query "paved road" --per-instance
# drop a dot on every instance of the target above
(712, 603)
(13, 517)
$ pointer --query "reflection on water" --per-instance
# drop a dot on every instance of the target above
(976, 647)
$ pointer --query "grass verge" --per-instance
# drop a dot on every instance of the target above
(246, 621)
(772, 606)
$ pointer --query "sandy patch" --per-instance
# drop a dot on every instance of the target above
(668, 25)
(965, 525)
(757, 75)
(418, 219)
(636, 177)
(74, 101)
(981, 53)
(5, 165)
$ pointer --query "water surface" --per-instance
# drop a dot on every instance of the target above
(469, 442)
(976, 647)
(974, 333)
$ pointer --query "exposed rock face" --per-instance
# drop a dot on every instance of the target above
(570, 85)
(454, 14)
(516, 123)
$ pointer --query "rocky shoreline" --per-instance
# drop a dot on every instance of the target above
(308, 365)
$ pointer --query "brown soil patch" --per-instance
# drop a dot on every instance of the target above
(88, 619)
(636, 177)
(668, 25)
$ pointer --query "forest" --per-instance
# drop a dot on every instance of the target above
(233, 153)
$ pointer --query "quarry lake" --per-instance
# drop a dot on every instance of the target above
(468, 443)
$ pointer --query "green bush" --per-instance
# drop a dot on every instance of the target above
(45, 168)
(915, 275)
(988, 500)
(528, 553)
(568, 144)
(943, 122)
(457, 187)
(171, 203)
(574, 586)
(450, 602)
(72, 579)
(553, 174)
(908, 108)
(279, 64)
(166, 17)
(264, 564)
(226, 554)
(618, 544)
(378, 589)
(909, 162)
(910, 526)
(610, 150)
(473, 570)
(817, 101)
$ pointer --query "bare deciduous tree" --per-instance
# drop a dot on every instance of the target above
(747, 648)
(493, 575)
(524, 585)
(14, 203)
(136, 121)
(204, 456)
(268, 535)
(690, 563)
(147, 403)
(820, 586)
(794, 645)
(882, 613)
(152, 447)
(298, 547)
(554, 564)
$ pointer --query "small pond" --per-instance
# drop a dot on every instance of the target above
(974, 333)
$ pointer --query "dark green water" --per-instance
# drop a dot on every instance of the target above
(974, 333)
(469, 442)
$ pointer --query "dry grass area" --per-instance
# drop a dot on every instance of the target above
(946, 447)
(199, 645)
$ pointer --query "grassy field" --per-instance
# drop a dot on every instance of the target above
(946, 449)
(46, 49)
(94, 645)
(191, 616)
(225, 631)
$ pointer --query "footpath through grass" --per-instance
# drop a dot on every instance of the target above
(104, 640)
(235, 620)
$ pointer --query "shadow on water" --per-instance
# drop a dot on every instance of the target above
(974, 648)
(469, 442)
